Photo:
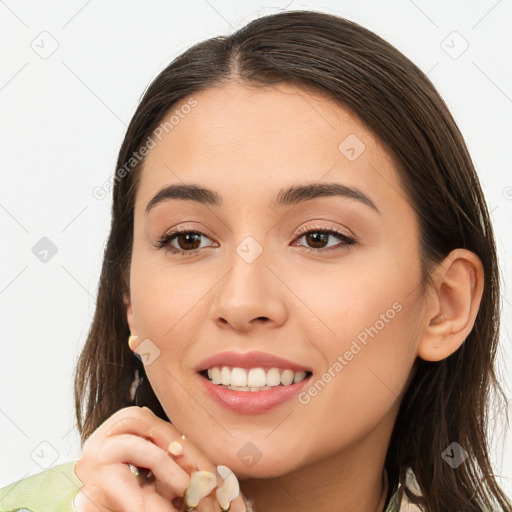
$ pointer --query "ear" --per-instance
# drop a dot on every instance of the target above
(452, 304)
(129, 315)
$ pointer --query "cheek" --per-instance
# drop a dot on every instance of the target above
(365, 330)
(168, 300)
(169, 308)
(365, 378)
(368, 297)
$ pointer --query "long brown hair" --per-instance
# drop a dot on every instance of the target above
(447, 401)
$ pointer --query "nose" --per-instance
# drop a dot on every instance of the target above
(249, 295)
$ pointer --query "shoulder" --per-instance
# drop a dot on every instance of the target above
(52, 490)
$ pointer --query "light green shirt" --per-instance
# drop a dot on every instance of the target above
(53, 490)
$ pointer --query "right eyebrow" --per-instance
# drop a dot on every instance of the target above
(185, 192)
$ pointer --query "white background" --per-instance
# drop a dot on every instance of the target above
(62, 120)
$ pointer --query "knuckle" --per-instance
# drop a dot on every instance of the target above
(90, 447)
(125, 412)
(103, 456)
(131, 410)
(147, 412)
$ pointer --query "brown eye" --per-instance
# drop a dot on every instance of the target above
(188, 241)
(317, 239)
(181, 241)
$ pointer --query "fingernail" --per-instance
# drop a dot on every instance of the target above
(175, 448)
(230, 490)
(201, 484)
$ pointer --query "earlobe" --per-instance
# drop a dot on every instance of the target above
(129, 315)
(452, 304)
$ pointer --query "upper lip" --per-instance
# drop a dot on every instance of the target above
(252, 359)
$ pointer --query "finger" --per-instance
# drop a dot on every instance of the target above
(144, 423)
(184, 448)
(156, 503)
(143, 453)
(208, 504)
(183, 451)
(121, 490)
(194, 456)
(238, 504)
(118, 480)
(89, 499)
(192, 460)
(118, 485)
(175, 450)
(133, 411)
(163, 435)
(158, 433)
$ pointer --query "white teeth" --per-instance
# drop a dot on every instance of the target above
(254, 379)
(273, 377)
(299, 376)
(215, 375)
(225, 376)
(286, 377)
(238, 377)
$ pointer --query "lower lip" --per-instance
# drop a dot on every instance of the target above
(252, 402)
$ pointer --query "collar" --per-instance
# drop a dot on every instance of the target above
(399, 502)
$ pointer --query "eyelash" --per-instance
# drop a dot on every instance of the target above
(163, 242)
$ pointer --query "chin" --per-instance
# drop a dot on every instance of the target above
(266, 467)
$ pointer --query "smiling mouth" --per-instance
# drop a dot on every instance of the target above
(253, 379)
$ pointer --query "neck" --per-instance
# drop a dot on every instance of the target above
(281, 495)
(351, 480)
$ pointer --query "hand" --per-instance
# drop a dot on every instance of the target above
(136, 436)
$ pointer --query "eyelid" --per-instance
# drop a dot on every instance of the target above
(344, 235)
(342, 231)
(346, 240)
(173, 233)
(180, 228)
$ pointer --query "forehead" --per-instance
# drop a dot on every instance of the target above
(244, 141)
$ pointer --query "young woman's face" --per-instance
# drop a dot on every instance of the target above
(345, 307)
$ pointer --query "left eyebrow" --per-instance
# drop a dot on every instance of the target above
(285, 197)
(297, 194)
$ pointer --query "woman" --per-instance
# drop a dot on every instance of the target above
(298, 307)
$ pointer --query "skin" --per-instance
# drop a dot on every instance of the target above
(136, 435)
(247, 144)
